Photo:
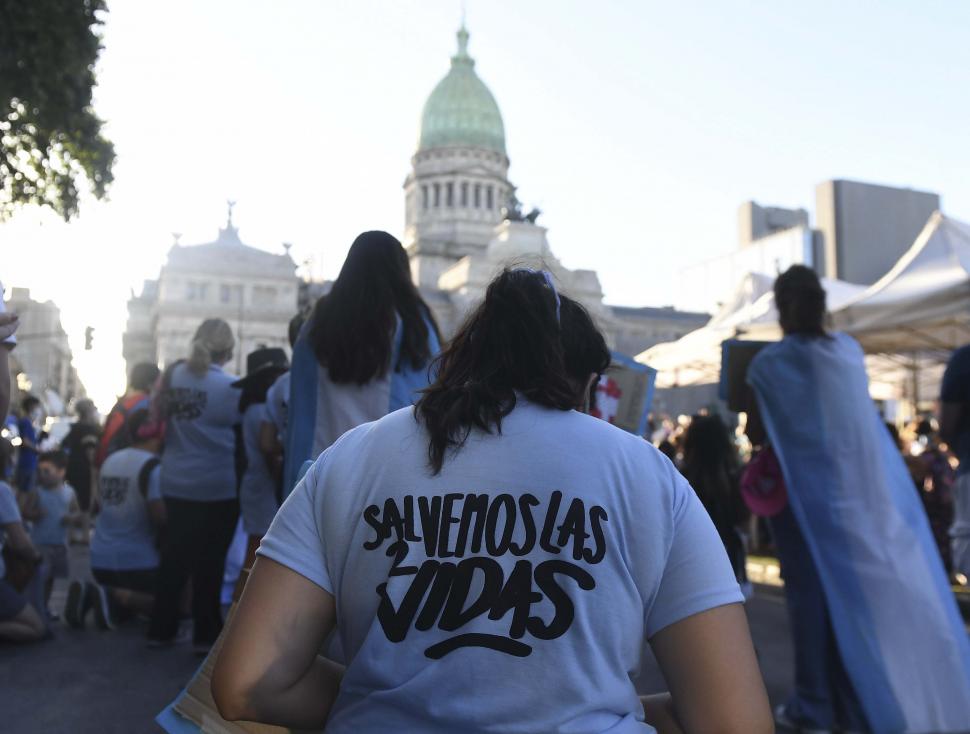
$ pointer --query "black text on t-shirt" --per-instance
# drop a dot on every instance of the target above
(463, 526)
(185, 403)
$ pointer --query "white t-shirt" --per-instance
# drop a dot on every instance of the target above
(513, 592)
(199, 461)
(124, 534)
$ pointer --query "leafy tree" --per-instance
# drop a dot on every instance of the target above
(50, 138)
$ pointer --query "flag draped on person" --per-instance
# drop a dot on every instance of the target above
(896, 622)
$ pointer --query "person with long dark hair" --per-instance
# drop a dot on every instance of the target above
(364, 352)
(494, 559)
(712, 467)
(857, 554)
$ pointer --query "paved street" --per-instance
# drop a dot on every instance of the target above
(93, 682)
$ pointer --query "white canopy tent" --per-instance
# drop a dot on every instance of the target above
(923, 303)
(695, 358)
(907, 322)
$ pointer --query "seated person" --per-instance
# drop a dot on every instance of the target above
(124, 548)
(19, 620)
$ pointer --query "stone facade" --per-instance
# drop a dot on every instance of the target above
(627, 329)
(42, 361)
(253, 290)
(453, 199)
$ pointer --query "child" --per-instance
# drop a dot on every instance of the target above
(52, 507)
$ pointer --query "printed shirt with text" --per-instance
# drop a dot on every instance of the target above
(513, 592)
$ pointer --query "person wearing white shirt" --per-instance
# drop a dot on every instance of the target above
(494, 559)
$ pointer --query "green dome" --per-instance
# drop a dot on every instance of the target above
(461, 110)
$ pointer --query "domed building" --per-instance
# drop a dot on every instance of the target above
(254, 290)
(459, 178)
(457, 232)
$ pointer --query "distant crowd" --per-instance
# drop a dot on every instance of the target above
(455, 515)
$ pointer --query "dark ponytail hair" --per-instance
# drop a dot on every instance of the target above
(800, 300)
(525, 338)
(352, 328)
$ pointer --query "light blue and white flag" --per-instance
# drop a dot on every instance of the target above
(896, 621)
(320, 411)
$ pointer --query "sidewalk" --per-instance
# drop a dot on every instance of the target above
(765, 573)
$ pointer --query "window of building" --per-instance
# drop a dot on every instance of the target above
(196, 291)
(424, 197)
(230, 293)
(437, 194)
(478, 196)
(489, 198)
(449, 194)
(264, 295)
(464, 193)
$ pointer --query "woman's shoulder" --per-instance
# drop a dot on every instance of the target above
(397, 424)
(608, 444)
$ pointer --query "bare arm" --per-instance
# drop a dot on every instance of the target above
(18, 540)
(30, 508)
(156, 511)
(272, 449)
(269, 443)
(73, 516)
(268, 669)
(94, 504)
(715, 683)
(950, 417)
(658, 711)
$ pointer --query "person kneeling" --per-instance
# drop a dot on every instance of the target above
(124, 549)
(19, 620)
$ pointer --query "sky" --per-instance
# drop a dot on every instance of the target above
(638, 127)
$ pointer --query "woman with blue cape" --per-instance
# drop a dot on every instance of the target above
(879, 642)
(364, 352)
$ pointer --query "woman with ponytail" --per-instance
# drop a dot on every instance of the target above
(200, 407)
(856, 550)
(494, 559)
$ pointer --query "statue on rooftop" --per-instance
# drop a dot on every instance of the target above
(512, 211)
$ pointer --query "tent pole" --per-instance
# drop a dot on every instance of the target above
(914, 367)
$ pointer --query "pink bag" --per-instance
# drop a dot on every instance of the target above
(763, 484)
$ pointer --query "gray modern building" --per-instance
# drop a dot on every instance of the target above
(756, 222)
(865, 228)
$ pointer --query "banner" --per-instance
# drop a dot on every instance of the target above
(625, 393)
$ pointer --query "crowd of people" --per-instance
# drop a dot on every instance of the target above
(445, 519)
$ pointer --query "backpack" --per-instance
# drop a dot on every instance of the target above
(145, 473)
(120, 438)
